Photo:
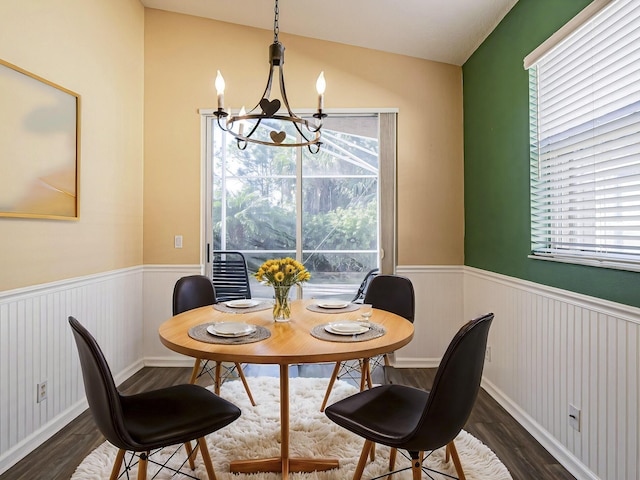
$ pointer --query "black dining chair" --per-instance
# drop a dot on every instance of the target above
(392, 293)
(196, 291)
(151, 420)
(364, 285)
(416, 420)
(230, 275)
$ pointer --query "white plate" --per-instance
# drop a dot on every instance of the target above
(241, 303)
(346, 328)
(332, 304)
(231, 329)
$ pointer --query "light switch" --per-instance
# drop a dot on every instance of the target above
(177, 241)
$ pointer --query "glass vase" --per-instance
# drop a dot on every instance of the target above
(282, 307)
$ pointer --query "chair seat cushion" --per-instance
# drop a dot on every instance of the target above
(175, 415)
(387, 414)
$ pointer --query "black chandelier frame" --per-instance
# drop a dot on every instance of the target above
(267, 109)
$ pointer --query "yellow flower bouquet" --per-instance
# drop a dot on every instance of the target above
(282, 274)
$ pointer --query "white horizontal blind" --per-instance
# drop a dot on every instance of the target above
(567, 29)
(585, 139)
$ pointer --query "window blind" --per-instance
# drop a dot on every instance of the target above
(585, 140)
(572, 25)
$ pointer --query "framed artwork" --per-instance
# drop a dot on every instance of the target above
(39, 147)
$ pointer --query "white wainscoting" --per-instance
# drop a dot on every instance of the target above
(159, 281)
(439, 313)
(36, 345)
(551, 348)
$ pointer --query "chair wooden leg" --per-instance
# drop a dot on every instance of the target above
(190, 455)
(217, 381)
(367, 368)
(244, 382)
(206, 458)
(451, 448)
(115, 471)
(195, 371)
(416, 468)
(387, 363)
(357, 475)
(363, 372)
(334, 375)
(142, 466)
(372, 453)
(392, 459)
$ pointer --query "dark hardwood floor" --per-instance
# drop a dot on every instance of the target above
(525, 458)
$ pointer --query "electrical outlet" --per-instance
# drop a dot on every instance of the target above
(177, 241)
(574, 417)
(41, 391)
(487, 355)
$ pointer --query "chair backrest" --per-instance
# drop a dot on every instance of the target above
(392, 293)
(103, 397)
(230, 276)
(362, 290)
(192, 292)
(455, 386)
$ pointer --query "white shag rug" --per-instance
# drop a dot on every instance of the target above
(256, 434)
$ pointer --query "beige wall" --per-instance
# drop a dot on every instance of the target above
(182, 54)
(104, 50)
(95, 49)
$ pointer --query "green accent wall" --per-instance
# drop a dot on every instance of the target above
(496, 152)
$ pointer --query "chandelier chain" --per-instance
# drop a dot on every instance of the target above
(276, 26)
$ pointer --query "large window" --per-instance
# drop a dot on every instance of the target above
(324, 210)
(585, 142)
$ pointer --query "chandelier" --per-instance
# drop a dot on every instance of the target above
(255, 126)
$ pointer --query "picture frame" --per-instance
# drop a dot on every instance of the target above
(39, 147)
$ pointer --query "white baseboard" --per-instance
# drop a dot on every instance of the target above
(168, 362)
(38, 437)
(129, 372)
(555, 448)
(415, 362)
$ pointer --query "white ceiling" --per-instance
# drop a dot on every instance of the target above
(442, 30)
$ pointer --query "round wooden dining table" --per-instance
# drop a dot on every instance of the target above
(289, 343)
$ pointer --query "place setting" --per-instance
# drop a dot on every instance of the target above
(332, 306)
(348, 330)
(230, 333)
(243, 305)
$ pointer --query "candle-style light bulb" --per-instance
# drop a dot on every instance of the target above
(321, 85)
(220, 90)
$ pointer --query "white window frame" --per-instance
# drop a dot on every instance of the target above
(562, 223)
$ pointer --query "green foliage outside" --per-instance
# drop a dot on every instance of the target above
(339, 201)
